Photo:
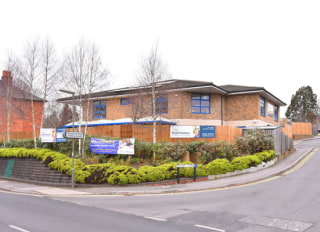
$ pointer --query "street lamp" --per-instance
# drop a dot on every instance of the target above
(72, 175)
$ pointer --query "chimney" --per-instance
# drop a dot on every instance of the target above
(7, 78)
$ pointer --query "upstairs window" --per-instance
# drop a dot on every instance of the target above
(262, 106)
(162, 104)
(100, 109)
(276, 113)
(127, 101)
(200, 103)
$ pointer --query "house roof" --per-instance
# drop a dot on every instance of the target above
(240, 89)
(17, 93)
(182, 85)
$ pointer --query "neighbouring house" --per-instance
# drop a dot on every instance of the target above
(15, 108)
(184, 102)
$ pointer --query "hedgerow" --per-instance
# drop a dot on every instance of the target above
(122, 175)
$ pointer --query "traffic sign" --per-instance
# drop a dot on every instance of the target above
(73, 135)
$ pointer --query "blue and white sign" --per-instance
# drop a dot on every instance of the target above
(113, 147)
(59, 135)
(207, 131)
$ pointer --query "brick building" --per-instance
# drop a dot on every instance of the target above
(187, 102)
(15, 106)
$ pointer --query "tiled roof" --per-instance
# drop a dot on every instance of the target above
(188, 85)
(17, 93)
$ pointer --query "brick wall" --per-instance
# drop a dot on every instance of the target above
(20, 115)
(235, 108)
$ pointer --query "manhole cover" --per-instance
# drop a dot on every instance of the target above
(277, 223)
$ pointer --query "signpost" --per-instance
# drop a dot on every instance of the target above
(187, 166)
(73, 135)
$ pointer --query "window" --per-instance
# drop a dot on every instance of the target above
(162, 104)
(100, 109)
(200, 103)
(276, 113)
(263, 106)
(127, 101)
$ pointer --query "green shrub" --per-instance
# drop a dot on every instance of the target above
(266, 156)
(254, 141)
(245, 162)
(218, 150)
(219, 166)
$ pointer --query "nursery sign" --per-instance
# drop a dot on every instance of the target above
(52, 135)
(192, 132)
(113, 147)
(184, 131)
(48, 135)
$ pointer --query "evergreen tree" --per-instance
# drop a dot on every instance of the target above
(303, 106)
(66, 115)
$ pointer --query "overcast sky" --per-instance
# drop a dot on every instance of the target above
(273, 44)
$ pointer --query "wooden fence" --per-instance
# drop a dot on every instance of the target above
(144, 132)
(20, 135)
(298, 130)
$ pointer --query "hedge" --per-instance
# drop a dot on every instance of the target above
(122, 175)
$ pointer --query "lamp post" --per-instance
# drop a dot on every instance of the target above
(72, 175)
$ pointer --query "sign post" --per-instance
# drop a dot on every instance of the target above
(187, 166)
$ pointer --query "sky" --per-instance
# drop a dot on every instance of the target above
(274, 44)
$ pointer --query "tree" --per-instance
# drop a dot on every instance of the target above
(151, 73)
(49, 71)
(65, 116)
(85, 73)
(29, 73)
(303, 106)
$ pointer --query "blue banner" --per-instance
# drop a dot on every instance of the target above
(59, 135)
(113, 147)
(207, 131)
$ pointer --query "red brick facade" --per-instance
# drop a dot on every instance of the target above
(236, 108)
(20, 108)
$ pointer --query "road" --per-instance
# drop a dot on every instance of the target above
(289, 202)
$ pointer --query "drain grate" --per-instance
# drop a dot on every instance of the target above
(277, 223)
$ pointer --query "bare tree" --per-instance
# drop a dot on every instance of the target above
(85, 73)
(152, 71)
(29, 74)
(50, 69)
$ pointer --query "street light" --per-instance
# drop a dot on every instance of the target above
(72, 175)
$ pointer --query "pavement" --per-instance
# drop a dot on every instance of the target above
(277, 169)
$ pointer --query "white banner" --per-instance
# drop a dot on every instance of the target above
(184, 131)
(48, 135)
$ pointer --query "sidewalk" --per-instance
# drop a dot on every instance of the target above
(278, 168)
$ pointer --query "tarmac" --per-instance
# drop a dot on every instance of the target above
(265, 174)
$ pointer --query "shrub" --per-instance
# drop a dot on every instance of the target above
(266, 156)
(254, 141)
(245, 162)
(218, 150)
(219, 166)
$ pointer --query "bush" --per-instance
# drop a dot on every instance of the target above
(218, 150)
(254, 141)
(219, 166)
(245, 162)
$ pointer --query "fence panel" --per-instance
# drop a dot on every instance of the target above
(145, 133)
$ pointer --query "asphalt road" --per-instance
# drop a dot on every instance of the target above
(290, 202)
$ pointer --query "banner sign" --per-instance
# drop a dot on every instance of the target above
(48, 135)
(113, 147)
(59, 135)
(207, 131)
(184, 131)
(192, 131)
(52, 135)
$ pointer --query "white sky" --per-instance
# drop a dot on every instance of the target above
(272, 43)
